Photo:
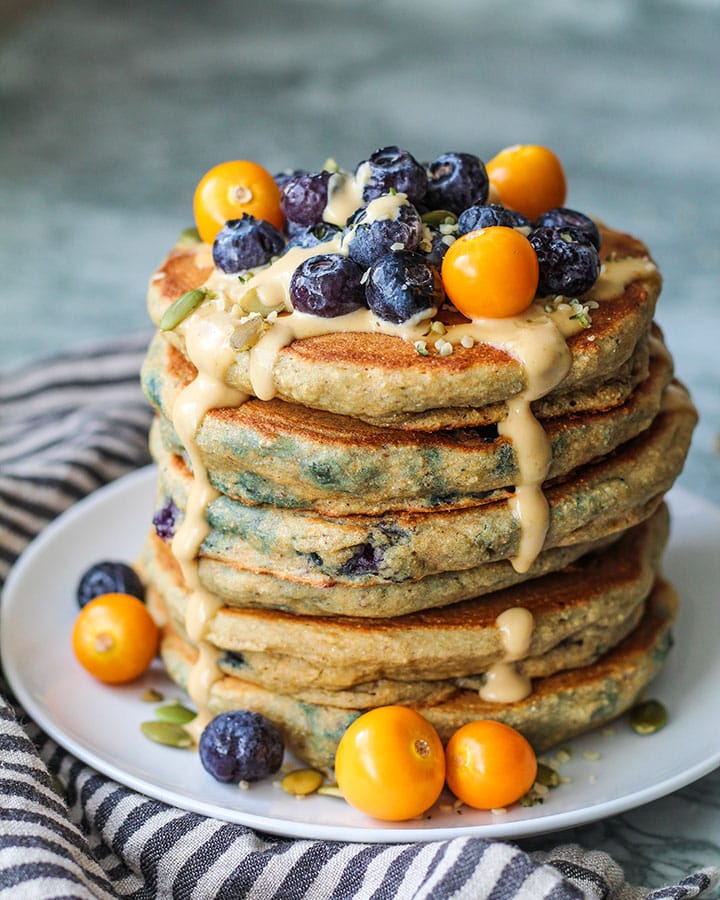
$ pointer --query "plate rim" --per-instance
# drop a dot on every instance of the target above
(144, 479)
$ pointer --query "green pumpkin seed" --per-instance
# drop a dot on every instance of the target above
(168, 733)
(439, 217)
(176, 713)
(251, 302)
(181, 309)
(648, 717)
(547, 776)
(247, 334)
(189, 236)
(302, 782)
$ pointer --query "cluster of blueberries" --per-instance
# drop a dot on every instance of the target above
(398, 284)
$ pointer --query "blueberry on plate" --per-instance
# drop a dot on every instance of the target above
(240, 746)
(314, 235)
(369, 240)
(456, 181)
(488, 216)
(393, 169)
(561, 217)
(403, 285)
(108, 577)
(245, 243)
(569, 263)
(304, 197)
(327, 285)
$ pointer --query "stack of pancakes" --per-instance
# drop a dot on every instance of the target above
(359, 537)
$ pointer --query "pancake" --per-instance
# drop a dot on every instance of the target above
(414, 555)
(381, 378)
(560, 706)
(277, 453)
(578, 614)
(242, 588)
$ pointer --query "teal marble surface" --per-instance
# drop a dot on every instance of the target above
(110, 112)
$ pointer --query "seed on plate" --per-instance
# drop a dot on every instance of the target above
(330, 790)
(302, 782)
(175, 712)
(648, 717)
(150, 695)
(167, 733)
(547, 776)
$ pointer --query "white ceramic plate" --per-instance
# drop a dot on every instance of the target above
(101, 724)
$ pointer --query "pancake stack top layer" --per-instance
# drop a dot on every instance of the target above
(325, 478)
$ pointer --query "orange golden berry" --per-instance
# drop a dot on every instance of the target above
(489, 764)
(528, 178)
(232, 188)
(115, 638)
(390, 763)
(491, 273)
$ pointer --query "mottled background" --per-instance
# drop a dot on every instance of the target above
(111, 111)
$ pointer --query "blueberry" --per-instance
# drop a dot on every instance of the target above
(402, 285)
(439, 244)
(304, 197)
(488, 216)
(165, 520)
(240, 746)
(394, 169)
(292, 229)
(327, 285)
(369, 240)
(311, 237)
(456, 181)
(569, 263)
(245, 243)
(560, 217)
(281, 178)
(109, 577)
(365, 560)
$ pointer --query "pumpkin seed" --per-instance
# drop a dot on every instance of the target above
(181, 309)
(150, 695)
(648, 717)
(175, 712)
(252, 302)
(189, 236)
(247, 334)
(547, 776)
(168, 733)
(330, 790)
(302, 782)
(439, 217)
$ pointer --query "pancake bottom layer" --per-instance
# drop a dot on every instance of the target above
(560, 706)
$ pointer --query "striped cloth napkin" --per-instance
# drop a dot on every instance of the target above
(68, 425)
